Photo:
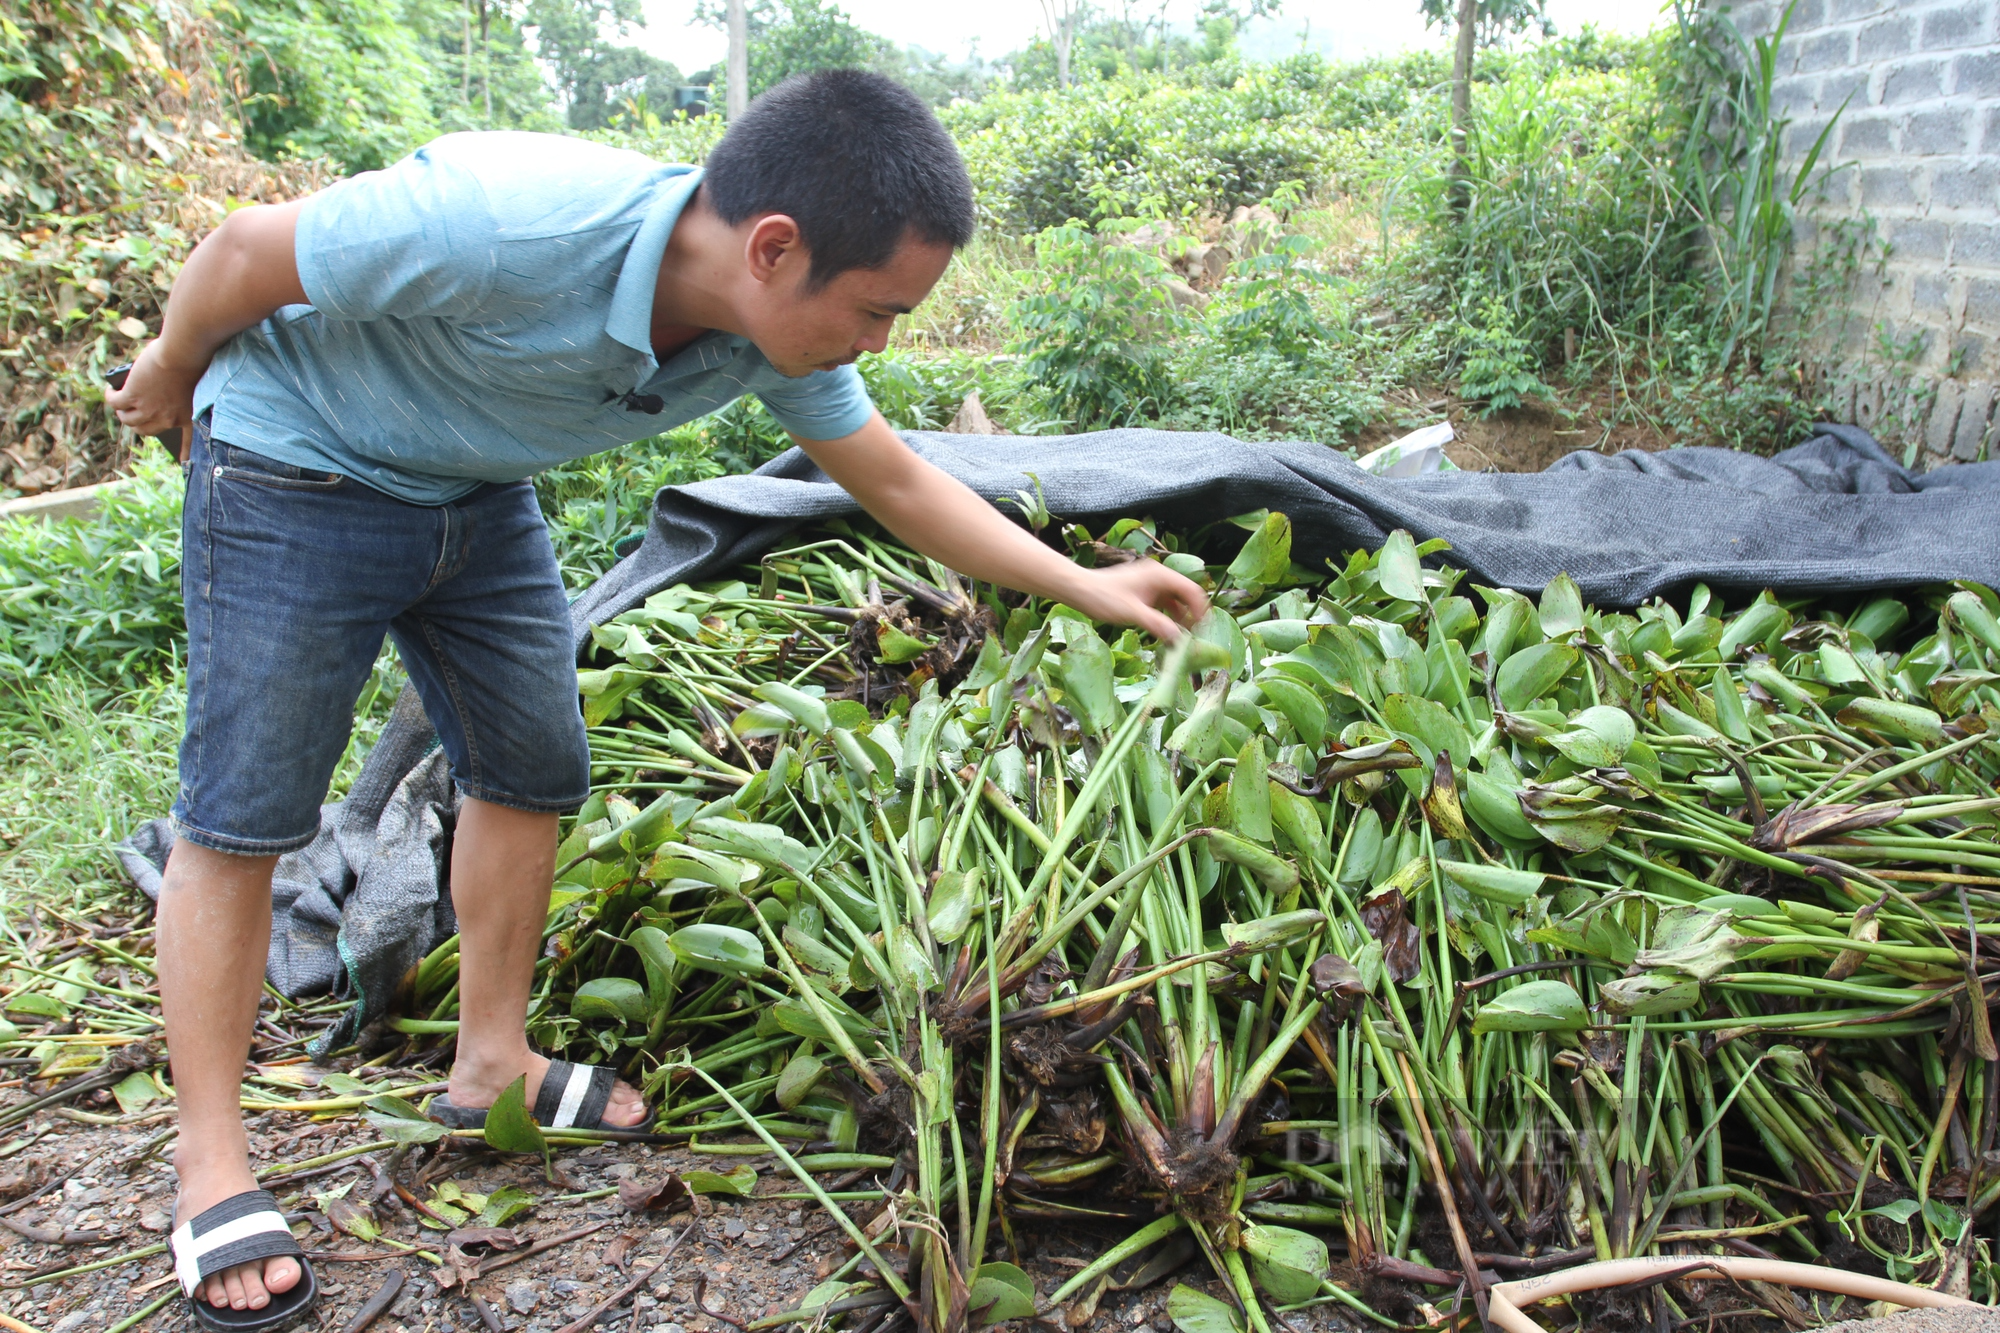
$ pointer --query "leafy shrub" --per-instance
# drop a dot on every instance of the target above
(1499, 366)
(1087, 325)
(100, 596)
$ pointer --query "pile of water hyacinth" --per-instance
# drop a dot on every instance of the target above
(1386, 935)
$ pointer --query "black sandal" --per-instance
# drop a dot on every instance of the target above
(240, 1230)
(571, 1097)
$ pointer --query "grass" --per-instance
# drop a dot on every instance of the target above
(84, 766)
(82, 769)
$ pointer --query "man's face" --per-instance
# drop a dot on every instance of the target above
(801, 329)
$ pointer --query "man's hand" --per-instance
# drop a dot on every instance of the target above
(157, 396)
(940, 516)
(242, 273)
(1143, 593)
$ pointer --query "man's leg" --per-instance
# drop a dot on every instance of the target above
(214, 933)
(502, 862)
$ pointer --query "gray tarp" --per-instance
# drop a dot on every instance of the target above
(358, 908)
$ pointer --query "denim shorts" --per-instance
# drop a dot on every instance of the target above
(292, 578)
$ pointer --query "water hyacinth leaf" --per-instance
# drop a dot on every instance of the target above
(1398, 569)
(400, 1129)
(762, 719)
(1199, 736)
(1696, 940)
(803, 708)
(766, 844)
(604, 692)
(1297, 822)
(1280, 636)
(953, 901)
(1497, 884)
(656, 955)
(1757, 624)
(1267, 557)
(1597, 737)
(1441, 804)
(1648, 994)
(1274, 873)
(504, 1204)
(136, 1091)
(619, 998)
(1533, 1006)
(849, 713)
(895, 646)
(908, 960)
(799, 1076)
(1087, 683)
(1218, 630)
(1531, 673)
(1496, 809)
(1250, 793)
(1386, 917)
(1562, 608)
(509, 1127)
(729, 950)
(1969, 612)
(1288, 1265)
(1731, 719)
(1430, 724)
(1507, 614)
(1197, 1312)
(1900, 721)
(1364, 846)
(999, 1292)
(1272, 931)
(741, 1182)
(1305, 710)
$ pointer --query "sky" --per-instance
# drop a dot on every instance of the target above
(1340, 29)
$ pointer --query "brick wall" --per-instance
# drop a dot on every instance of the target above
(1919, 150)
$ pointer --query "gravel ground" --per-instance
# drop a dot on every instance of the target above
(1926, 1321)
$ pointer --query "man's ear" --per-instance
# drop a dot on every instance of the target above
(774, 242)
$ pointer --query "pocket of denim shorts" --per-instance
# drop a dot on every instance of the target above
(236, 464)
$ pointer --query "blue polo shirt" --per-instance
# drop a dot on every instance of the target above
(482, 311)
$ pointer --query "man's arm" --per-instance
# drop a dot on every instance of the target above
(241, 274)
(947, 521)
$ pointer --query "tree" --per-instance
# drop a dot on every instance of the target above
(341, 79)
(594, 74)
(484, 76)
(1496, 18)
(1064, 18)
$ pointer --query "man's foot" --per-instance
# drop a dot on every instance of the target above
(476, 1087)
(247, 1286)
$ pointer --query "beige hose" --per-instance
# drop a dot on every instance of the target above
(1506, 1298)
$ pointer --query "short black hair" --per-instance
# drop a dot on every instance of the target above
(856, 159)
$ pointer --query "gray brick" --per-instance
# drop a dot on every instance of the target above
(1808, 15)
(1989, 139)
(1888, 187)
(1942, 425)
(1796, 96)
(1864, 137)
(1975, 245)
(1938, 132)
(1919, 238)
(1970, 352)
(1977, 75)
(1824, 51)
(1847, 89)
(1929, 292)
(1982, 303)
(1973, 184)
(1800, 136)
(1917, 81)
(1856, 9)
(1892, 36)
(1867, 404)
(1975, 410)
(1960, 25)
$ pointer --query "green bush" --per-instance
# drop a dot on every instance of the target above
(1090, 324)
(99, 596)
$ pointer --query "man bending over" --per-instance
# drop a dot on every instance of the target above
(370, 376)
